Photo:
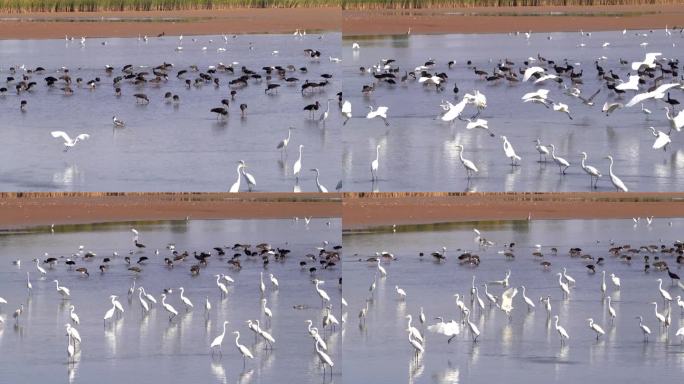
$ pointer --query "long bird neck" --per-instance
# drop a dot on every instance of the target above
(377, 153)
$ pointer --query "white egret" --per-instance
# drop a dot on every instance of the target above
(265, 335)
(529, 72)
(563, 164)
(413, 330)
(528, 301)
(615, 280)
(313, 332)
(563, 108)
(235, 188)
(603, 283)
(400, 292)
(297, 167)
(453, 111)
(596, 328)
(283, 143)
(242, 349)
(185, 300)
(346, 111)
(109, 314)
(143, 303)
(631, 85)
(561, 331)
(218, 340)
(662, 139)
(665, 294)
(73, 315)
(676, 122)
(611, 310)
(274, 281)
(380, 112)
(507, 300)
(29, 286)
(221, 286)
(658, 93)
(617, 183)
(249, 178)
(542, 149)
(329, 319)
(563, 285)
(321, 293)
(478, 124)
(42, 271)
(474, 331)
(467, 164)
(659, 316)
(321, 188)
(267, 311)
(375, 163)
(383, 272)
(492, 298)
(169, 308)
(325, 359)
(590, 170)
(64, 291)
(118, 123)
(509, 151)
(648, 62)
(149, 297)
(70, 349)
(609, 108)
(68, 141)
(644, 329)
(117, 304)
(567, 277)
(73, 333)
(547, 305)
(450, 329)
(262, 286)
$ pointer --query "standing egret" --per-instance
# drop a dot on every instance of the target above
(644, 329)
(383, 272)
(283, 143)
(313, 332)
(42, 271)
(561, 331)
(658, 315)
(321, 188)
(329, 319)
(168, 307)
(400, 292)
(346, 111)
(547, 305)
(64, 291)
(617, 183)
(70, 349)
(262, 286)
(149, 297)
(380, 112)
(413, 330)
(274, 281)
(467, 164)
(563, 164)
(507, 300)
(222, 287)
(563, 285)
(73, 333)
(665, 294)
(185, 300)
(375, 163)
(590, 170)
(235, 188)
(265, 335)
(603, 283)
(324, 116)
(73, 315)
(509, 151)
(109, 314)
(528, 301)
(611, 310)
(321, 293)
(297, 167)
(417, 346)
(596, 328)
(325, 359)
(242, 349)
(143, 303)
(492, 298)
(116, 303)
(567, 277)
(450, 329)
(218, 340)
(266, 310)
(474, 331)
(542, 149)
(249, 178)
(29, 286)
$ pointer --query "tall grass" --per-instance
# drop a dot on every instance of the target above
(417, 4)
(20, 6)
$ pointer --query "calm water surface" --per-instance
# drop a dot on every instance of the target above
(527, 347)
(149, 348)
(419, 153)
(166, 147)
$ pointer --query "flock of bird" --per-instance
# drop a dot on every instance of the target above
(174, 301)
(464, 306)
(168, 84)
(650, 84)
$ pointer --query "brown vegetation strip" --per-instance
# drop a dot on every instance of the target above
(511, 19)
(37, 209)
(369, 210)
(133, 23)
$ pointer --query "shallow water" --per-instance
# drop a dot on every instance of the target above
(167, 148)
(150, 348)
(526, 347)
(419, 153)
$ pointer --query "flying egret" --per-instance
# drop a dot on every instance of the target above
(450, 329)
(617, 183)
(631, 85)
(563, 108)
(297, 167)
(453, 111)
(658, 93)
(467, 164)
(649, 61)
(529, 72)
(590, 170)
(561, 331)
(68, 141)
(609, 108)
(563, 164)
(218, 340)
(662, 139)
(509, 151)
(380, 112)
(596, 328)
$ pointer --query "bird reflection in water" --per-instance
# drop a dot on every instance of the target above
(69, 176)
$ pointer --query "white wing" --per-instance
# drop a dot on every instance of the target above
(479, 123)
(454, 110)
(639, 98)
(507, 299)
(382, 111)
(531, 71)
(346, 107)
(678, 121)
(665, 87)
(541, 93)
(61, 134)
(83, 136)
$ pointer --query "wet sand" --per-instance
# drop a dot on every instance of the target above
(382, 209)
(133, 24)
(26, 210)
(510, 19)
